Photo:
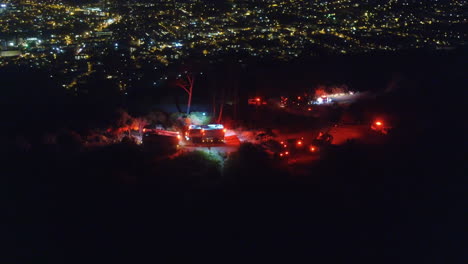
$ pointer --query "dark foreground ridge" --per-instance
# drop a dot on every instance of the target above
(399, 202)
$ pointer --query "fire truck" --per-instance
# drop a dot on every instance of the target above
(323, 100)
(161, 140)
(256, 101)
(212, 133)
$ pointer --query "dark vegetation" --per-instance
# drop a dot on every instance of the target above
(401, 202)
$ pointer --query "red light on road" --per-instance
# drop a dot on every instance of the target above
(282, 142)
(285, 146)
(281, 154)
(258, 99)
(144, 129)
(312, 149)
(299, 143)
(378, 123)
(298, 98)
(178, 136)
(224, 130)
(309, 109)
(287, 153)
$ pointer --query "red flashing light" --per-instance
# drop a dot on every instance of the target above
(287, 153)
(285, 146)
(378, 123)
(258, 99)
(312, 149)
(298, 98)
(282, 142)
(299, 142)
(281, 154)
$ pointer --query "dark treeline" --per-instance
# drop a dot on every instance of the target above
(32, 96)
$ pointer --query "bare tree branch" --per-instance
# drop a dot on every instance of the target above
(187, 84)
(183, 87)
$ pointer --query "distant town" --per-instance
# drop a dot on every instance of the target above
(73, 40)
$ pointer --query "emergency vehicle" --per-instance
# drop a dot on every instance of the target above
(161, 140)
(212, 133)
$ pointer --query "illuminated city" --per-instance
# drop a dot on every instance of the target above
(74, 38)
